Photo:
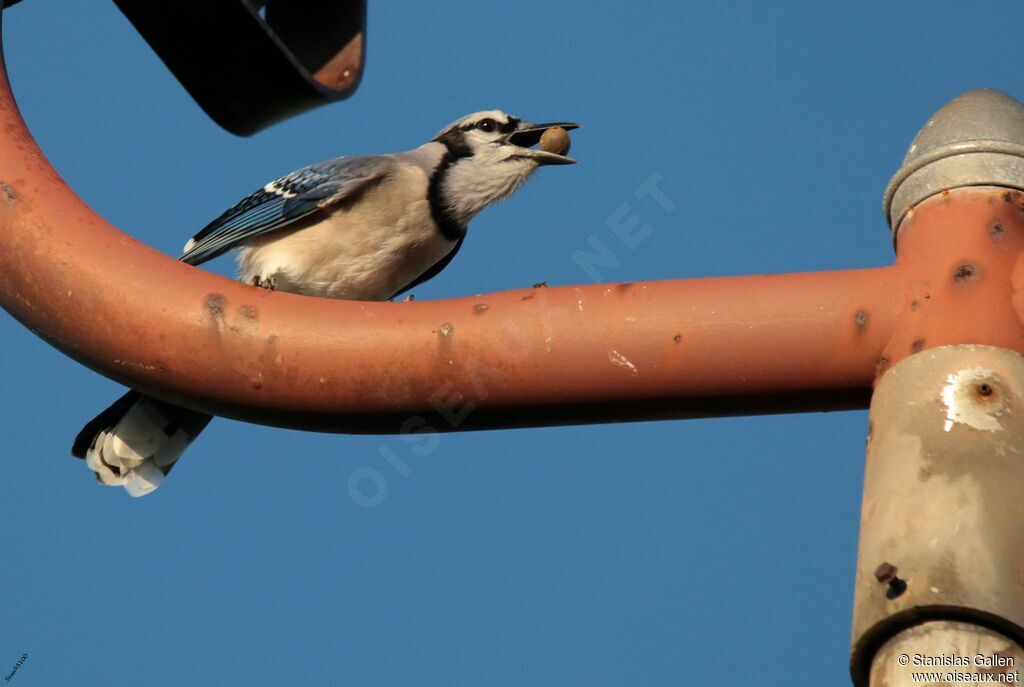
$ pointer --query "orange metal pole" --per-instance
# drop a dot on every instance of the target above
(942, 486)
(961, 272)
(593, 353)
(941, 546)
(531, 357)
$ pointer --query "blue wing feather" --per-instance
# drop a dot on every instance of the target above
(285, 201)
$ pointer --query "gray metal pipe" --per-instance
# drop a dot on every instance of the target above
(942, 523)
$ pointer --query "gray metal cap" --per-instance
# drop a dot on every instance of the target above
(974, 140)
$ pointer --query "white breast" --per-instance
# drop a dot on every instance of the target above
(368, 250)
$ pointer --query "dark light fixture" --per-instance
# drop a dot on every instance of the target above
(251, 63)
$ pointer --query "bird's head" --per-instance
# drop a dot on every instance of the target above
(493, 137)
(488, 156)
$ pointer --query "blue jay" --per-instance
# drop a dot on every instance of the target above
(358, 228)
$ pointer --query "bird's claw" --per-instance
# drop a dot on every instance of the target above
(269, 283)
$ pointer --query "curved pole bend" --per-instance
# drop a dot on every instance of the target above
(531, 357)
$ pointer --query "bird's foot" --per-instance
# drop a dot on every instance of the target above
(269, 283)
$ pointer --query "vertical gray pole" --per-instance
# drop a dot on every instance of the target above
(940, 571)
(939, 596)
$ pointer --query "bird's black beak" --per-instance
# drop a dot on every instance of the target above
(528, 135)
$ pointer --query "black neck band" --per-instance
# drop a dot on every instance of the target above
(447, 223)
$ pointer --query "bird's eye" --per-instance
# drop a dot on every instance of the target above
(487, 124)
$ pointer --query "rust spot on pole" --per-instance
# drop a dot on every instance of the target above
(996, 231)
(881, 366)
(215, 304)
(965, 272)
(860, 320)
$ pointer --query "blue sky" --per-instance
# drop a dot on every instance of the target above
(688, 552)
